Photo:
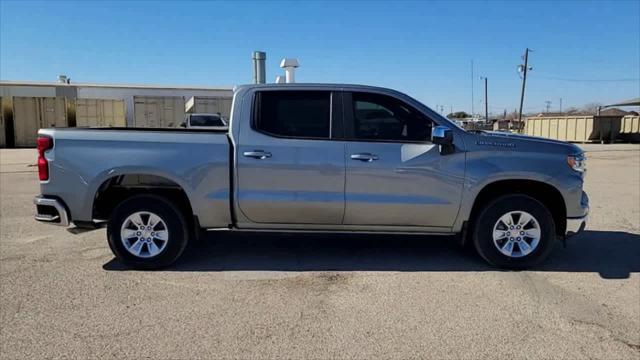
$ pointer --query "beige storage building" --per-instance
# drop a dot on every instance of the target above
(575, 128)
(630, 128)
(100, 113)
(33, 113)
(3, 128)
(209, 105)
(158, 112)
(28, 106)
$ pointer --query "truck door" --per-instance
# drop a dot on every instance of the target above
(290, 170)
(395, 175)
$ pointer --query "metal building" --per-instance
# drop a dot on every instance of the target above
(583, 128)
(155, 111)
(27, 106)
(209, 105)
(100, 112)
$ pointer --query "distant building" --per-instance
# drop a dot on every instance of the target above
(28, 106)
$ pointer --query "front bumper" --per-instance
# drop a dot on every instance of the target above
(576, 225)
(51, 210)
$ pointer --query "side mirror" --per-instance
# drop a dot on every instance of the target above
(184, 124)
(441, 135)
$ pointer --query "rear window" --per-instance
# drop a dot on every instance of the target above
(300, 114)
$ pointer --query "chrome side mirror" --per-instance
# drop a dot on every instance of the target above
(442, 135)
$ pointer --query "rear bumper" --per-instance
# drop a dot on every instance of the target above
(51, 211)
(576, 225)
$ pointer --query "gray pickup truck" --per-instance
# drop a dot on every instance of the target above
(314, 158)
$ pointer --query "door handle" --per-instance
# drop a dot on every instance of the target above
(257, 154)
(364, 157)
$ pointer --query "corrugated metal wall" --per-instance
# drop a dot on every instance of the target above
(165, 108)
(210, 105)
(32, 113)
(100, 113)
(152, 111)
(575, 128)
(630, 128)
(3, 141)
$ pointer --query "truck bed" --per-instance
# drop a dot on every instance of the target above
(109, 128)
(196, 160)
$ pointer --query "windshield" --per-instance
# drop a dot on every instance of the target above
(206, 120)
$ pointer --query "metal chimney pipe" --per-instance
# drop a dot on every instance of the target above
(259, 72)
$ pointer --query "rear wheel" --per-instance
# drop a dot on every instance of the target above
(514, 231)
(147, 232)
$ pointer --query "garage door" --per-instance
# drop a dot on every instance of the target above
(158, 112)
(31, 114)
(100, 113)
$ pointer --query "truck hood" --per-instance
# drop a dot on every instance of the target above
(524, 142)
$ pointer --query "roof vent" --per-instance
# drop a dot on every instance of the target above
(289, 65)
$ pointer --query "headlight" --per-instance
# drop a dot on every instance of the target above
(577, 162)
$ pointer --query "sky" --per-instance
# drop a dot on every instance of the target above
(583, 51)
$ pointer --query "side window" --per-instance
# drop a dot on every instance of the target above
(302, 114)
(384, 118)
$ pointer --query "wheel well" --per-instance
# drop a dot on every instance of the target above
(118, 188)
(548, 195)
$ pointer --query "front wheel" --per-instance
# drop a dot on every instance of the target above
(514, 231)
(147, 232)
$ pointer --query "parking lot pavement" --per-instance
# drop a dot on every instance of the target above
(323, 296)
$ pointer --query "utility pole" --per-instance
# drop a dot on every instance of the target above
(472, 88)
(523, 68)
(548, 105)
(561, 105)
(486, 101)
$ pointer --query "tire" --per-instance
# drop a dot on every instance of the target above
(152, 252)
(507, 216)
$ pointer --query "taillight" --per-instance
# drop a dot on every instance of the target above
(44, 143)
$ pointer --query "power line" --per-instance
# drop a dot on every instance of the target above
(587, 80)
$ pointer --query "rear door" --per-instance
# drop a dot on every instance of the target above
(395, 175)
(290, 167)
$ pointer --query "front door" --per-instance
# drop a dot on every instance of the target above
(289, 168)
(395, 175)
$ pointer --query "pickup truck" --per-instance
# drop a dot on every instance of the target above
(314, 158)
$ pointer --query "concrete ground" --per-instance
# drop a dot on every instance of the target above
(299, 296)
